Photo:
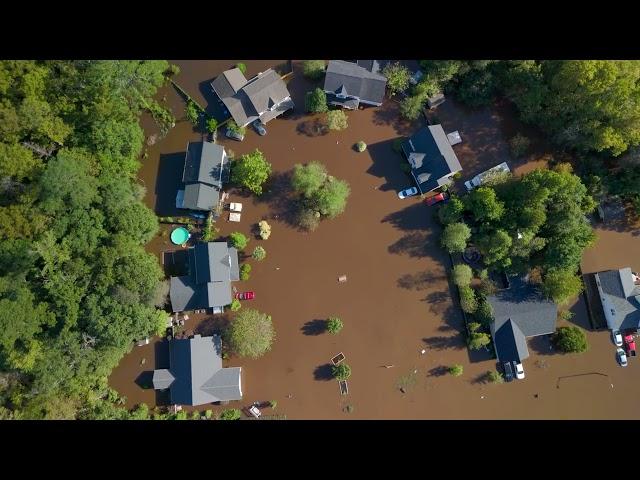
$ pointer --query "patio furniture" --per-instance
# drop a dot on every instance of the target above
(338, 358)
(253, 410)
(234, 217)
(344, 388)
(235, 207)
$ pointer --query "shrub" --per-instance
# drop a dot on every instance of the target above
(487, 287)
(484, 313)
(308, 219)
(242, 67)
(519, 144)
(231, 414)
(212, 125)
(235, 305)
(462, 275)
(451, 212)
(454, 237)
(313, 69)
(341, 372)
(474, 327)
(468, 300)
(336, 120)
(483, 274)
(245, 270)
(208, 414)
(565, 315)
(334, 325)
(251, 334)
(410, 107)
(238, 240)
(570, 340)
(195, 415)
(478, 340)
(210, 232)
(361, 146)
(456, 370)
(315, 101)
(495, 377)
(181, 415)
(193, 114)
(234, 127)
(264, 229)
(259, 253)
(273, 404)
(173, 70)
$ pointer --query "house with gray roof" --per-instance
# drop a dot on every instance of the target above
(431, 157)
(520, 311)
(212, 267)
(202, 175)
(619, 292)
(195, 375)
(348, 84)
(263, 97)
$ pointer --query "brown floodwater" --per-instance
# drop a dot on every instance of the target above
(397, 300)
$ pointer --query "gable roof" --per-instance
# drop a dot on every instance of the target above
(619, 297)
(371, 65)
(204, 163)
(353, 80)
(431, 157)
(263, 97)
(196, 365)
(198, 196)
(520, 311)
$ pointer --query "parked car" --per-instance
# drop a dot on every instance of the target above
(232, 134)
(440, 197)
(630, 345)
(519, 370)
(622, 357)
(481, 177)
(409, 192)
(508, 371)
(259, 127)
(245, 295)
(616, 337)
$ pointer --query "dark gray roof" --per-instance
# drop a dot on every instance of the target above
(371, 65)
(265, 96)
(431, 157)
(355, 81)
(162, 378)
(523, 306)
(186, 295)
(198, 196)
(214, 262)
(203, 163)
(351, 103)
(618, 296)
(196, 365)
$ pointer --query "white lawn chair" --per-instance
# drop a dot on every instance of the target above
(235, 207)
(234, 217)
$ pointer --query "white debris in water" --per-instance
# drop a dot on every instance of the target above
(423, 351)
(612, 385)
(481, 397)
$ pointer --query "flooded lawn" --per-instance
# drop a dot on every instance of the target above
(396, 301)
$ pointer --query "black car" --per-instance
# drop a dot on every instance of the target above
(508, 371)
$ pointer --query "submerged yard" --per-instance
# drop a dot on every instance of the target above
(397, 300)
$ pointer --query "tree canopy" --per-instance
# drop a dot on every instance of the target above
(251, 171)
(251, 333)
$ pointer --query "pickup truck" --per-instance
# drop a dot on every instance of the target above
(630, 345)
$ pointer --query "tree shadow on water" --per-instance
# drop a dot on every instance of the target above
(314, 327)
(412, 244)
(418, 281)
(215, 324)
(323, 373)
(438, 371)
(145, 380)
(312, 128)
(443, 343)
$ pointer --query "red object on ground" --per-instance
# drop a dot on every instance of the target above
(245, 295)
(630, 345)
(440, 197)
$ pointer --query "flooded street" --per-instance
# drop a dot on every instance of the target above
(397, 300)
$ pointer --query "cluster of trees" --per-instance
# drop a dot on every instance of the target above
(533, 222)
(76, 286)
(320, 194)
(251, 171)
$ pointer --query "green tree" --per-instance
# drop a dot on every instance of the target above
(495, 247)
(484, 313)
(478, 340)
(259, 253)
(192, 112)
(313, 69)
(336, 120)
(341, 371)
(571, 340)
(251, 171)
(462, 275)
(264, 229)
(211, 125)
(231, 414)
(361, 146)
(455, 236)
(308, 219)
(397, 77)
(334, 325)
(411, 107)
(562, 285)
(238, 240)
(468, 300)
(251, 333)
(235, 305)
(484, 204)
(451, 212)
(331, 199)
(137, 221)
(307, 179)
(495, 377)
(245, 271)
(456, 370)
(316, 101)
(242, 67)
(519, 144)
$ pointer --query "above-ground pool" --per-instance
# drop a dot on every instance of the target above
(180, 235)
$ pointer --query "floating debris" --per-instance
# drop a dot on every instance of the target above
(423, 351)
(342, 278)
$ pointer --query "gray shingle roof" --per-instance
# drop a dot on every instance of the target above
(203, 163)
(431, 157)
(186, 295)
(162, 378)
(523, 306)
(198, 196)
(371, 65)
(356, 81)
(196, 365)
(618, 296)
(249, 100)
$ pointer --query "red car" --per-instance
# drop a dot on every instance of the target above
(440, 197)
(245, 295)
(630, 345)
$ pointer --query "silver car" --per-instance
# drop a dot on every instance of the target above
(616, 336)
(259, 127)
(409, 192)
(622, 357)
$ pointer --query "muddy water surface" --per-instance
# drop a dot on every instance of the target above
(396, 301)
